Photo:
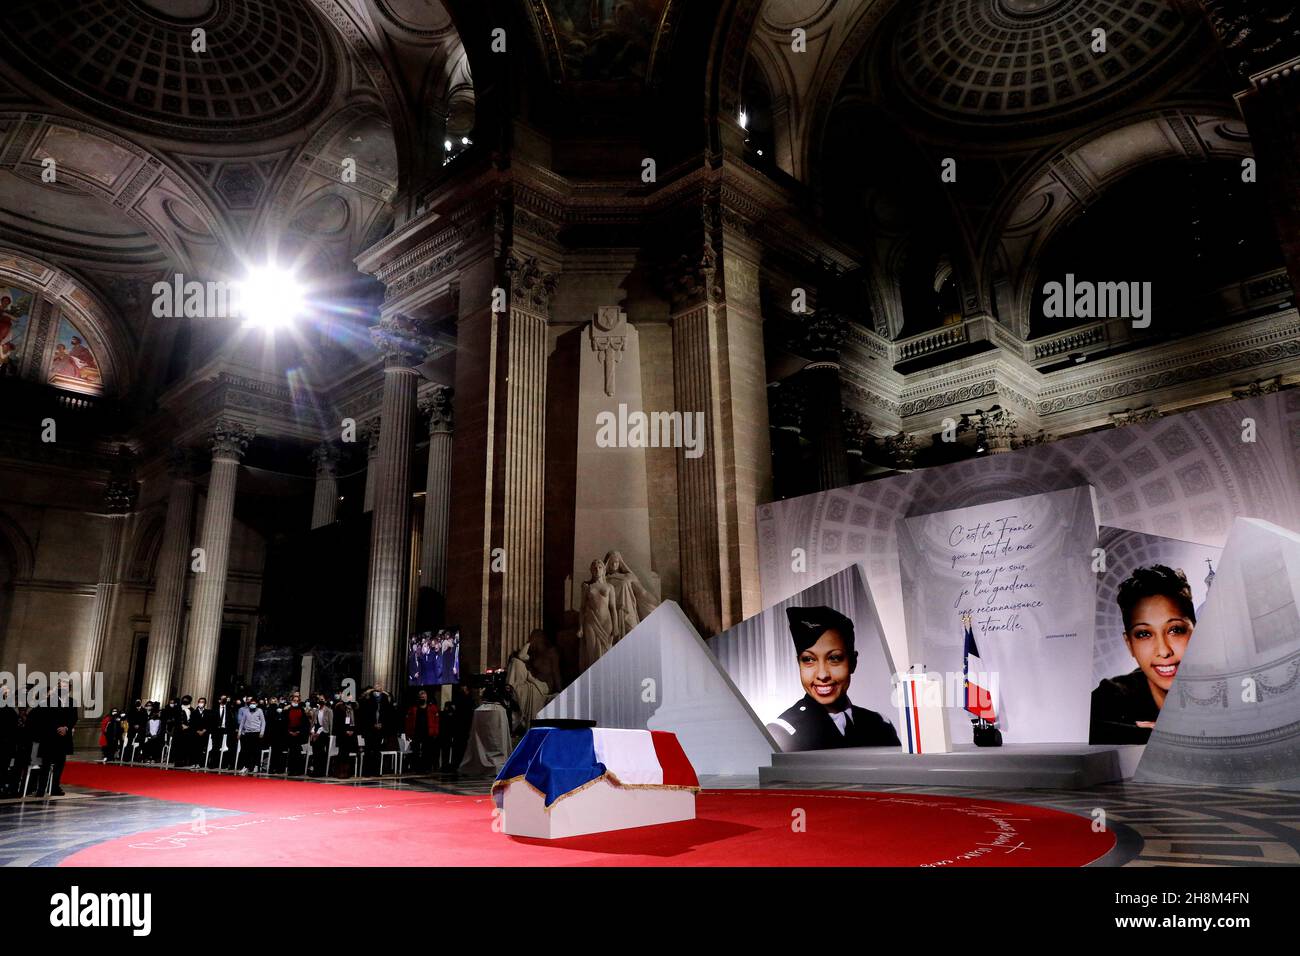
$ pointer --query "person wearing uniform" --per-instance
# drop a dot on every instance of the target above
(1159, 618)
(825, 717)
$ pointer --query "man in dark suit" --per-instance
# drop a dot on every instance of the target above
(55, 728)
(223, 727)
(825, 717)
(378, 725)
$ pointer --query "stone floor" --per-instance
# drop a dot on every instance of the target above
(1155, 825)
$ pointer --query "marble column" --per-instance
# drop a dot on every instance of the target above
(823, 336)
(787, 403)
(437, 490)
(524, 404)
(202, 641)
(119, 501)
(390, 544)
(701, 501)
(325, 505)
(169, 585)
(371, 428)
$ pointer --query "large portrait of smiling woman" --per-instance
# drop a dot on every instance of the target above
(1159, 618)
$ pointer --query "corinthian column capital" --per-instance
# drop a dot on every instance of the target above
(230, 438)
(402, 341)
(437, 405)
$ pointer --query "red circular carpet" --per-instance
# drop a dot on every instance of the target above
(307, 824)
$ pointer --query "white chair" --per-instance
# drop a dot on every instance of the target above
(264, 760)
(331, 753)
(34, 765)
(359, 756)
(167, 752)
(126, 744)
(225, 749)
(403, 751)
(395, 754)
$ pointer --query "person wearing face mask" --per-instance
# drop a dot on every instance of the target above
(825, 717)
(252, 728)
(183, 731)
(223, 725)
(57, 723)
(377, 726)
(345, 735)
(110, 736)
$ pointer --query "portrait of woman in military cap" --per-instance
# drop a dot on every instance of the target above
(825, 717)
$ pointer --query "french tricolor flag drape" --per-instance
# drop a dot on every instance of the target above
(978, 699)
(560, 762)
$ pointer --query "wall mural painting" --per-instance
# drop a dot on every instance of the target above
(74, 365)
(15, 316)
(605, 39)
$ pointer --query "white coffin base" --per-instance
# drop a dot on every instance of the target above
(598, 809)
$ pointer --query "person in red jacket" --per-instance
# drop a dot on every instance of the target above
(110, 736)
(422, 732)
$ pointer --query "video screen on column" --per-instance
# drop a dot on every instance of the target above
(433, 657)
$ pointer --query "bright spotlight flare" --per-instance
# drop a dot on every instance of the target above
(270, 298)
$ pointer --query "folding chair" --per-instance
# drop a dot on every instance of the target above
(331, 752)
(34, 765)
(359, 755)
(264, 761)
(167, 752)
(395, 754)
(403, 751)
(225, 749)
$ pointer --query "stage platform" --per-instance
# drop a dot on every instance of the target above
(1040, 766)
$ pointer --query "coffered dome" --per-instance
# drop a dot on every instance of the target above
(1015, 60)
(265, 67)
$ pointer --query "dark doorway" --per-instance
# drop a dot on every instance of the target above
(228, 676)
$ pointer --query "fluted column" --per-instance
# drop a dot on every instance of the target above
(169, 586)
(119, 500)
(386, 600)
(325, 505)
(371, 428)
(524, 509)
(437, 490)
(229, 441)
(823, 337)
(787, 409)
(703, 518)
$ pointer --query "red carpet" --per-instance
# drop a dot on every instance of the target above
(308, 824)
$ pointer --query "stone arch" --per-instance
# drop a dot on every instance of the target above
(1051, 193)
(61, 293)
(19, 555)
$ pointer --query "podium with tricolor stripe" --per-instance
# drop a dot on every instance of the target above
(563, 782)
(921, 714)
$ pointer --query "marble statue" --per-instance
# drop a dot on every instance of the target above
(634, 600)
(598, 616)
(531, 693)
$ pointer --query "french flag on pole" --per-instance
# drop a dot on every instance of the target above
(978, 699)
